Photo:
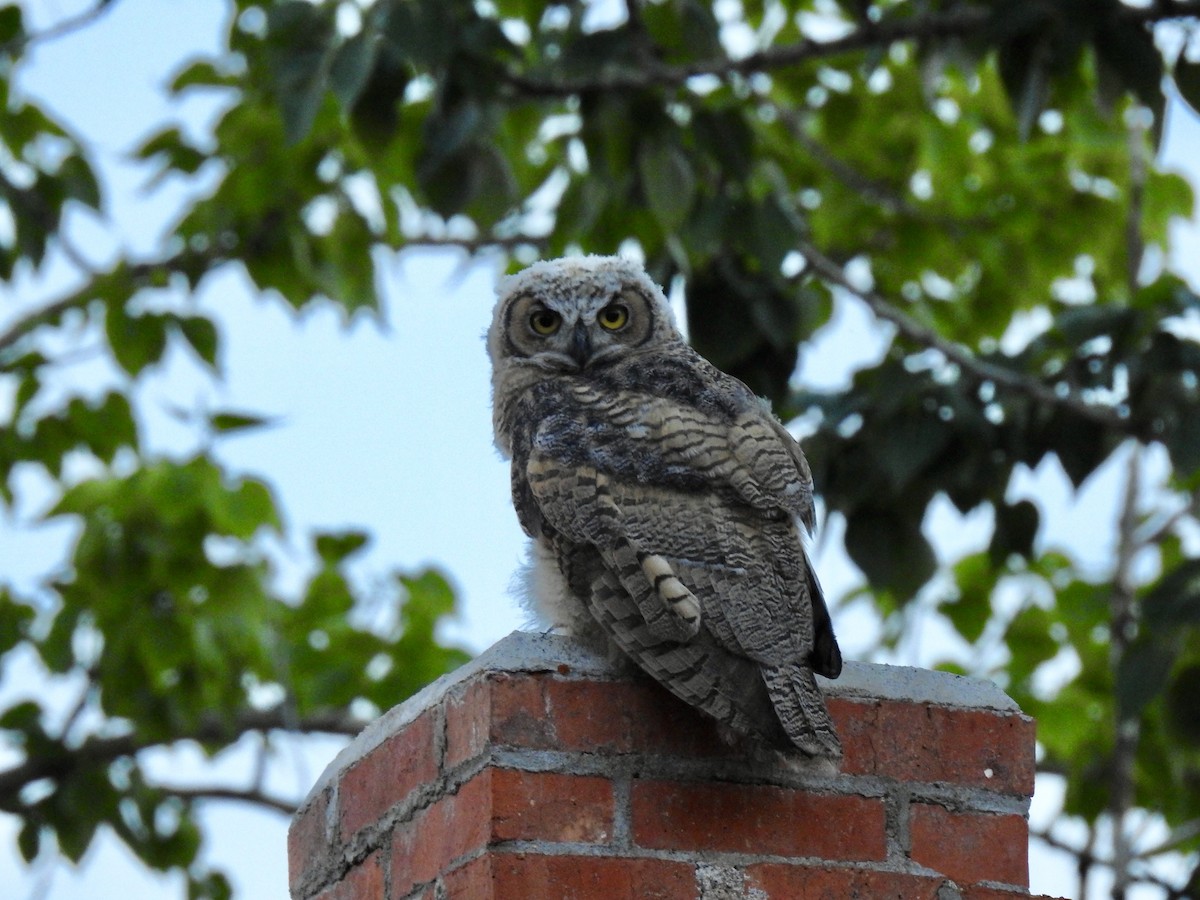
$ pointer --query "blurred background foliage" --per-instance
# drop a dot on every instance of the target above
(977, 174)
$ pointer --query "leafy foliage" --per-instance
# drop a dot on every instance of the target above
(979, 176)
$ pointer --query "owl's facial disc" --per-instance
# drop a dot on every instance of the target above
(577, 325)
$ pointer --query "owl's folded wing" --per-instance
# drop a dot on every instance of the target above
(707, 595)
(657, 440)
(668, 480)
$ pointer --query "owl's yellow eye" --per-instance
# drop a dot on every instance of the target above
(613, 316)
(545, 321)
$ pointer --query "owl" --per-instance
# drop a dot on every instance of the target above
(663, 499)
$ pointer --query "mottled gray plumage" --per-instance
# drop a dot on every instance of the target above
(663, 499)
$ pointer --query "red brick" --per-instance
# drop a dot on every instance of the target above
(307, 842)
(468, 723)
(499, 805)
(592, 715)
(519, 715)
(619, 717)
(740, 818)
(970, 846)
(387, 775)
(661, 723)
(534, 877)
(549, 712)
(363, 882)
(982, 892)
(470, 881)
(453, 827)
(919, 742)
(551, 807)
(784, 882)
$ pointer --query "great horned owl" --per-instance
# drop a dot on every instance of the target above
(663, 499)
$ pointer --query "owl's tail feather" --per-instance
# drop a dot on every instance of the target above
(699, 672)
(801, 709)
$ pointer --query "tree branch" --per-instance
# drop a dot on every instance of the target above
(1122, 614)
(474, 245)
(20, 44)
(1179, 835)
(34, 320)
(870, 189)
(102, 750)
(658, 74)
(963, 22)
(138, 275)
(1162, 10)
(982, 370)
(1135, 245)
(1087, 859)
(1159, 531)
(217, 792)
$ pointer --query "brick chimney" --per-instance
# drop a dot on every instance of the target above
(539, 771)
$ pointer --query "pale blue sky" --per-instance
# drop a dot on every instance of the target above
(388, 429)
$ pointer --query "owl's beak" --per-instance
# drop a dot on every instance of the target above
(581, 345)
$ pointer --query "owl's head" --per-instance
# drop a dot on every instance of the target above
(567, 315)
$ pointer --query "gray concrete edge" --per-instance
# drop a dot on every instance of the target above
(523, 651)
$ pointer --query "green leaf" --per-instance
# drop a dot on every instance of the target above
(1187, 79)
(1127, 47)
(1174, 601)
(375, 115)
(1183, 712)
(201, 334)
(299, 37)
(668, 183)
(209, 886)
(1168, 196)
(247, 509)
(15, 618)
(449, 166)
(79, 181)
(352, 67)
(606, 50)
(907, 443)
(449, 132)
(29, 840)
(1082, 323)
(1080, 444)
(1183, 443)
(1142, 674)
(1016, 529)
(890, 550)
(335, 547)
(429, 596)
(970, 611)
(11, 27)
(1029, 641)
(172, 152)
(136, 341)
(201, 73)
(425, 33)
(1023, 68)
(228, 422)
(701, 32)
(106, 427)
(26, 716)
(684, 29)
